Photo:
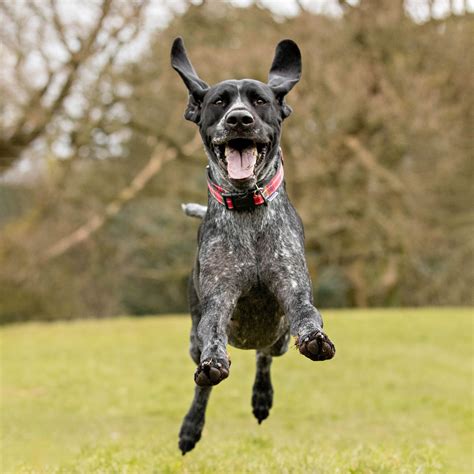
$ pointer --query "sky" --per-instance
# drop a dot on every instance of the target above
(160, 12)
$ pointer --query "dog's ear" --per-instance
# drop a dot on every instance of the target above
(285, 72)
(197, 87)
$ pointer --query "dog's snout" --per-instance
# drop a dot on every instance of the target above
(239, 119)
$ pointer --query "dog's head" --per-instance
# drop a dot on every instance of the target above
(240, 120)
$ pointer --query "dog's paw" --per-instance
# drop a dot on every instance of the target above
(187, 443)
(316, 346)
(211, 372)
(189, 434)
(262, 400)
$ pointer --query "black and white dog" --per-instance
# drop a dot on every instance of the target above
(250, 285)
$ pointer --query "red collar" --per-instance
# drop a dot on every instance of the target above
(261, 194)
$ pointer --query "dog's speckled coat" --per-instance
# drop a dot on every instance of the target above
(250, 286)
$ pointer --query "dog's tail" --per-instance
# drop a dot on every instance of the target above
(194, 210)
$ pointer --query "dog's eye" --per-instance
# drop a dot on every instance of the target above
(218, 102)
(260, 101)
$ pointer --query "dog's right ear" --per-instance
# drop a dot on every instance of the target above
(197, 88)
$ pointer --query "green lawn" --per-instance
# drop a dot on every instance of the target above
(107, 396)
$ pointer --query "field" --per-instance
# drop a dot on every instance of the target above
(107, 396)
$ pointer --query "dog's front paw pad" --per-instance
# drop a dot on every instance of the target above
(210, 372)
(316, 346)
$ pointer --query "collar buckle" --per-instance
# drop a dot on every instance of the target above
(259, 190)
(239, 201)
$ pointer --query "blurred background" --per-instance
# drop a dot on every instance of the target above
(96, 157)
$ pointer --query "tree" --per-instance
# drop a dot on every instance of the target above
(377, 161)
(53, 58)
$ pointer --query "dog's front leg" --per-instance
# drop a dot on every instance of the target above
(292, 288)
(217, 310)
(307, 322)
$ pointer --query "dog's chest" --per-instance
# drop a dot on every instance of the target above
(236, 246)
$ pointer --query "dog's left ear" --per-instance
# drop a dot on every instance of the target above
(285, 72)
(197, 87)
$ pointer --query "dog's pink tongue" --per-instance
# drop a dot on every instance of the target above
(240, 165)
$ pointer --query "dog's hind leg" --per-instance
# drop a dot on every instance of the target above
(262, 391)
(193, 423)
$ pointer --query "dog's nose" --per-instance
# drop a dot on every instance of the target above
(239, 119)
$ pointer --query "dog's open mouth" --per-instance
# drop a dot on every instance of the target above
(241, 155)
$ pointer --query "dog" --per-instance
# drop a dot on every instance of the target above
(250, 286)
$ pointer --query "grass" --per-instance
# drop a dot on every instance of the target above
(107, 396)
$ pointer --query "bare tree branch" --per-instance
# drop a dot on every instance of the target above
(59, 27)
(24, 132)
(301, 7)
(370, 163)
(83, 233)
